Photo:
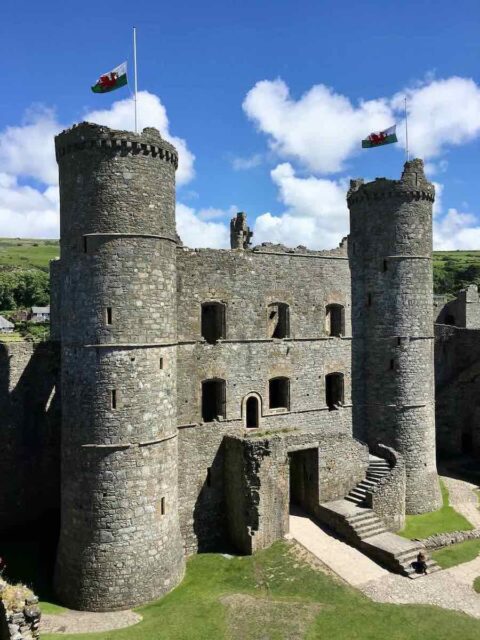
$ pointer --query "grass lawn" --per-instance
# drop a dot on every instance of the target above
(444, 520)
(476, 584)
(276, 596)
(27, 253)
(11, 337)
(457, 553)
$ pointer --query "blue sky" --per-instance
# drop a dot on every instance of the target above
(267, 102)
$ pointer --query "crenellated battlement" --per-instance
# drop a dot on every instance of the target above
(87, 135)
(412, 186)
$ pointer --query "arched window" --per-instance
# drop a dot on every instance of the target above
(213, 321)
(334, 390)
(252, 412)
(278, 320)
(335, 320)
(279, 393)
(213, 399)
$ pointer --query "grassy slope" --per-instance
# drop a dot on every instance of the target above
(22, 253)
(444, 520)
(290, 601)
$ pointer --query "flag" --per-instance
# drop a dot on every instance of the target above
(382, 137)
(112, 80)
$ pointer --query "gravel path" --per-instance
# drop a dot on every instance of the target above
(449, 589)
(463, 499)
(86, 621)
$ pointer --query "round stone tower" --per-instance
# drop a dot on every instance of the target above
(120, 542)
(390, 250)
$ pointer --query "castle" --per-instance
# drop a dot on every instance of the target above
(202, 391)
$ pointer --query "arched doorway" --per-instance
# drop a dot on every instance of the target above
(252, 412)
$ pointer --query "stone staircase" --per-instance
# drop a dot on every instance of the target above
(353, 521)
(377, 469)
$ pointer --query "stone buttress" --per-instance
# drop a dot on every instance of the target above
(120, 542)
(390, 252)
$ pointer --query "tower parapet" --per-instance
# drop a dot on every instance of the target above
(120, 542)
(240, 234)
(390, 252)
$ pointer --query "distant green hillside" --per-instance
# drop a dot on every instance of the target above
(452, 270)
(27, 254)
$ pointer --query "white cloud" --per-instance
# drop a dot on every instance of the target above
(27, 150)
(250, 162)
(456, 230)
(197, 233)
(316, 212)
(151, 113)
(321, 129)
(27, 212)
(27, 155)
(442, 113)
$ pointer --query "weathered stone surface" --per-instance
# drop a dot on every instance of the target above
(390, 252)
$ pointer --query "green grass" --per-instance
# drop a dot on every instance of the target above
(275, 596)
(476, 584)
(444, 520)
(27, 253)
(11, 337)
(457, 553)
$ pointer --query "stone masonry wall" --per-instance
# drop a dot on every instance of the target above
(390, 252)
(29, 432)
(258, 490)
(457, 377)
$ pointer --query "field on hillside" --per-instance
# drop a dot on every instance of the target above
(21, 253)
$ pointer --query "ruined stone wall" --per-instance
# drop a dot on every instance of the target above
(390, 251)
(29, 432)
(258, 490)
(457, 378)
(463, 311)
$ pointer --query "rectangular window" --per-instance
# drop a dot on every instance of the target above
(161, 363)
(109, 315)
(85, 248)
(113, 398)
(209, 476)
(369, 300)
(162, 506)
(392, 364)
(385, 265)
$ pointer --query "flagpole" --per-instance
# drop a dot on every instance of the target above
(135, 73)
(406, 131)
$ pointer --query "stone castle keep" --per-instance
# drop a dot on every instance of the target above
(203, 391)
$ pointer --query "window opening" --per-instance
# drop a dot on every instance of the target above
(161, 363)
(162, 506)
(335, 320)
(213, 399)
(113, 398)
(369, 300)
(209, 476)
(213, 321)
(252, 411)
(109, 315)
(278, 320)
(385, 265)
(334, 390)
(279, 393)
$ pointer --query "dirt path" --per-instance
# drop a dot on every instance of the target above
(87, 622)
(464, 499)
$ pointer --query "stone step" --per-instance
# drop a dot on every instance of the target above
(373, 532)
(358, 493)
(356, 521)
(379, 465)
(354, 499)
(370, 527)
(367, 484)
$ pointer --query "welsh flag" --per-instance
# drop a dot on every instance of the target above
(382, 137)
(112, 80)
